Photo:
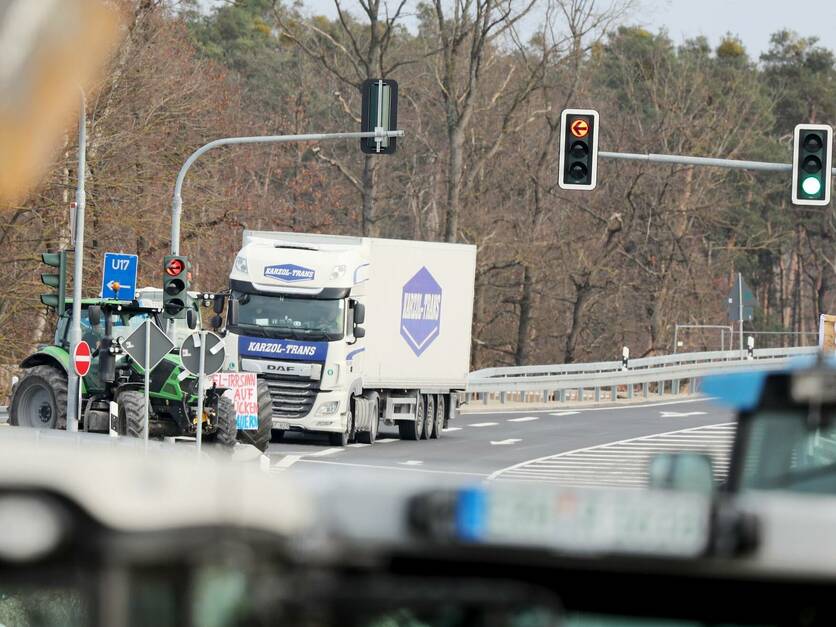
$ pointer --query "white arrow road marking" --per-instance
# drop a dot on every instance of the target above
(358, 445)
(411, 462)
(386, 440)
(217, 348)
(563, 413)
(508, 441)
(287, 461)
(681, 414)
(483, 424)
(448, 429)
(525, 419)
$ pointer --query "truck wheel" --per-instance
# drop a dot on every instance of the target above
(439, 416)
(343, 439)
(413, 429)
(260, 438)
(429, 416)
(368, 437)
(227, 423)
(40, 399)
(131, 413)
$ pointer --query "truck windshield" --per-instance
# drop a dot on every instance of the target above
(782, 452)
(289, 317)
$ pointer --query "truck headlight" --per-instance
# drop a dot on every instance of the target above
(326, 409)
(241, 264)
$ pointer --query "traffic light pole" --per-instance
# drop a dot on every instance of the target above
(177, 202)
(733, 164)
(73, 380)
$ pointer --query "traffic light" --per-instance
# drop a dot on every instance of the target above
(176, 286)
(578, 149)
(58, 280)
(811, 163)
(379, 108)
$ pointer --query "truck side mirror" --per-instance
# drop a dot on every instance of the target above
(232, 315)
(191, 319)
(687, 472)
(218, 303)
(359, 332)
(94, 315)
(359, 313)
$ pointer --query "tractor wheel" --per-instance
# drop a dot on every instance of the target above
(131, 413)
(260, 438)
(227, 423)
(40, 399)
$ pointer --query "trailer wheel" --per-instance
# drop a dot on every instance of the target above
(260, 438)
(429, 416)
(131, 413)
(40, 399)
(439, 416)
(413, 429)
(227, 423)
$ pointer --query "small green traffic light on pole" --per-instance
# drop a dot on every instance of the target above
(57, 280)
(176, 282)
(578, 149)
(811, 164)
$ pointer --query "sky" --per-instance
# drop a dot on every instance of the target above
(751, 20)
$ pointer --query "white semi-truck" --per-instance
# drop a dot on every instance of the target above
(346, 332)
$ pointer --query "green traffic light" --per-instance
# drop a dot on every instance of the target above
(811, 185)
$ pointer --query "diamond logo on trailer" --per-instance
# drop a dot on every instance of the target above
(289, 272)
(421, 311)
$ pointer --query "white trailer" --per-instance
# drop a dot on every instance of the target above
(346, 331)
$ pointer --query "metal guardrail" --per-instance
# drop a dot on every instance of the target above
(607, 380)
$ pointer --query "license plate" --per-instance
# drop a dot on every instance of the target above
(281, 425)
(597, 521)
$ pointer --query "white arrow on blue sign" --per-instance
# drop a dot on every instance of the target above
(119, 276)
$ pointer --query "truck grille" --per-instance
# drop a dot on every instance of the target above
(292, 397)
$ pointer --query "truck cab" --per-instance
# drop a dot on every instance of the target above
(298, 326)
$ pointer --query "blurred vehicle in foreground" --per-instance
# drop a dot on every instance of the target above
(140, 543)
(785, 437)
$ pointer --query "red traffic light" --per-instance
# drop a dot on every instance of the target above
(174, 267)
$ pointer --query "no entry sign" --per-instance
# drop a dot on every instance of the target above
(81, 358)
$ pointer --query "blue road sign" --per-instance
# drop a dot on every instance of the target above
(119, 276)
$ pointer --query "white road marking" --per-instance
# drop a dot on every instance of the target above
(585, 409)
(327, 451)
(406, 469)
(681, 414)
(525, 419)
(411, 462)
(508, 441)
(448, 429)
(287, 461)
(358, 445)
(483, 424)
(563, 413)
(386, 440)
(624, 462)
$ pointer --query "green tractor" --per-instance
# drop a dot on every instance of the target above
(39, 398)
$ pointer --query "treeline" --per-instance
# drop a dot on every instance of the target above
(561, 276)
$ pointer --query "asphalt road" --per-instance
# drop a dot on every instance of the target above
(489, 445)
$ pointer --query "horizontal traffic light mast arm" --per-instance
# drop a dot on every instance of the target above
(734, 164)
(177, 203)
